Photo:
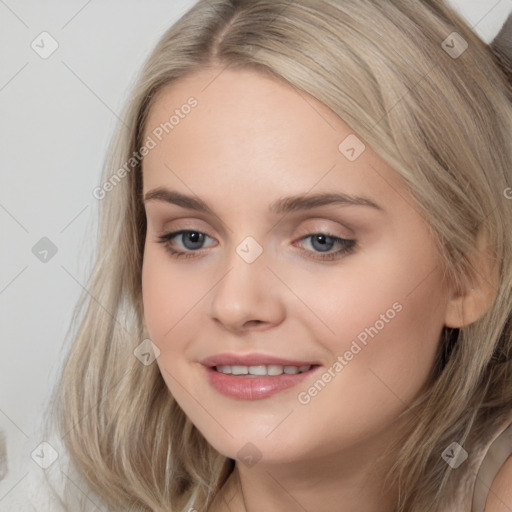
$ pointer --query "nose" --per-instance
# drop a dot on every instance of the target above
(248, 296)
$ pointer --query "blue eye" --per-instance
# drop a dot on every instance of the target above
(322, 244)
(189, 239)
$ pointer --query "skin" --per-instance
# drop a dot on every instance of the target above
(250, 141)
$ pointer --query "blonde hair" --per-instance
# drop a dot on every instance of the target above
(442, 122)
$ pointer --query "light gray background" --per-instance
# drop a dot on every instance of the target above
(57, 117)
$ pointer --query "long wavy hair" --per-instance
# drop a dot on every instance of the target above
(442, 121)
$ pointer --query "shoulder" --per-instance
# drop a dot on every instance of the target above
(499, 498)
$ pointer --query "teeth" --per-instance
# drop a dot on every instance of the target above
(239, 370)
(271, 369)
(274, 369)
(258, 370)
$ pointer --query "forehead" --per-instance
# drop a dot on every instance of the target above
(248, 105)
(250, 130)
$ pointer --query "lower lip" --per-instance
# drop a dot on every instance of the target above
(254, 388)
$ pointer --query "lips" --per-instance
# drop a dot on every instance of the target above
(248, 386)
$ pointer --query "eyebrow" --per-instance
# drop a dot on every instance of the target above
(280, 206)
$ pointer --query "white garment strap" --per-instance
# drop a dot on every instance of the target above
(499, 451)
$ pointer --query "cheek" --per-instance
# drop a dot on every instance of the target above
(166, 297)
(401, 342)
(172, 299)
(384, 318)
(385, 344)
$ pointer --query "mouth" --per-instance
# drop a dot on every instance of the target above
(254, 377)
(271, 370)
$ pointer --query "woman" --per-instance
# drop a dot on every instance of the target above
(303, 292)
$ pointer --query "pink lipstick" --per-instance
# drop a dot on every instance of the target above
(255, 376)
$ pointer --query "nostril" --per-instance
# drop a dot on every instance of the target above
(251, 323)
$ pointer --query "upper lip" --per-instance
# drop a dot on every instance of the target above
(253, 359)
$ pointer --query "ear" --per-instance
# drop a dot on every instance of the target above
(470, 301)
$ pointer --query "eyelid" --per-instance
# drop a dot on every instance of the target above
(159, 215)
(318, 227)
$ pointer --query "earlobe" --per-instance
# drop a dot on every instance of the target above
(470, 303)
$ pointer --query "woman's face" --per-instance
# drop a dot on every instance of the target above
(278, 275)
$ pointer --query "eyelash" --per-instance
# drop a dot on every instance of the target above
(348, 245)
